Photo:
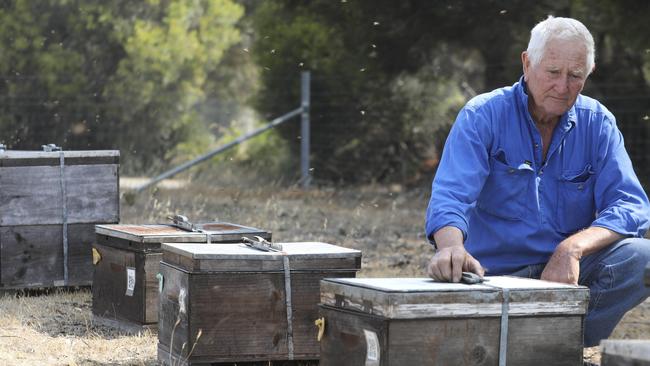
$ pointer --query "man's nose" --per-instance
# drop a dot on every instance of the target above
(562, 84)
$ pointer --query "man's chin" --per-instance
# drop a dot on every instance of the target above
(558, 109)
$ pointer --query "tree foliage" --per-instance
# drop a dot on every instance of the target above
(389, 76)
(115, 74)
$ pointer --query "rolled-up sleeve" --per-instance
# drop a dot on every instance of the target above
(621, 203)
(461, 174)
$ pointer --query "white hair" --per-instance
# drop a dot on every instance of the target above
(562, 29)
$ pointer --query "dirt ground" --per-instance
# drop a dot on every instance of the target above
(384, 222)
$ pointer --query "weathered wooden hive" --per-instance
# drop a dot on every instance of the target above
(233, 303)
(50, 202)
(415, 321)
(127, 261)
(625, 352)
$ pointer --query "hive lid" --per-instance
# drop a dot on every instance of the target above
(9, 158)
(35, 189)
(219, 232)
(422, 297)
(240, 257)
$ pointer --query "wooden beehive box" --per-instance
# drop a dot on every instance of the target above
(235, 297)
(49, 205)
(625, 352)
(415, 321)
(127, 260)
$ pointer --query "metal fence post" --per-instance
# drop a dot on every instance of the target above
(303, 110)
(305, 175)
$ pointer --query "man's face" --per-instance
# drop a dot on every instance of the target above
(555, 82)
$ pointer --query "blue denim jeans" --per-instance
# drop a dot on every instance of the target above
(614, 276)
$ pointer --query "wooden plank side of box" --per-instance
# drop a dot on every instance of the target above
(32, 195)
(625, 352)
(305, 287)
(431, 323)
(12, 158)
(362, 339)
(546, 340)
(167, 359)
(112, 298)
(243, 315)
(344, 341)
(242, 310)
(358, 339)
(404, 298)
(32, 256)
(173, 325)
(249, 321)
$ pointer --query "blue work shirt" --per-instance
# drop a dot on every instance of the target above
(513, 207)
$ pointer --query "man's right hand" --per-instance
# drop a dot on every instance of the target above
(451, 258)
(448, 264)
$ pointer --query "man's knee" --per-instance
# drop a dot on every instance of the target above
(635, 251)
(623, 250)
(616, 283)
(619, 267)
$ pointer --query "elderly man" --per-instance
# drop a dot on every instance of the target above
(535, 181)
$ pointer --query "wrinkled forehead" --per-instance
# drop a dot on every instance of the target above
(570, 53)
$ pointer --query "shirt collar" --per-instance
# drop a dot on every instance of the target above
(567, 120)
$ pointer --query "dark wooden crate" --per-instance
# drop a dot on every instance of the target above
(110, 297)
(625, 352)
(235, 297)
(390, 322)
(34, 215)
(32, 256)
(137, 247)
(163, 354)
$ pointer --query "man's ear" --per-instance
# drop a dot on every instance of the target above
(525, 63)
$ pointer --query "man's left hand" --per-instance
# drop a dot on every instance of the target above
(564, 265)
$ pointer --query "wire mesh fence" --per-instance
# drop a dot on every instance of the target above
(82, 126)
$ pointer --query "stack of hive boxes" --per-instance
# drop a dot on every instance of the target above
(50, 202)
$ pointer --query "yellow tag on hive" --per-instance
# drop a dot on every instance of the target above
(96, 256)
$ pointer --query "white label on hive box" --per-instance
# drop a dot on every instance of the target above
(130, 281)
(372, 348)
(181, 301)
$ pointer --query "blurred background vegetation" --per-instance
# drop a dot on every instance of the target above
(166, 80)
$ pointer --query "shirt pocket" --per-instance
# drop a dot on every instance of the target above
(576, 208)
(505, 190)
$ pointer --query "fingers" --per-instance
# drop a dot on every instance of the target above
(437, 266)
(472, 265)
(457, 261)
(433, 271)
(562, 268)
(444, 265)
(448, 264)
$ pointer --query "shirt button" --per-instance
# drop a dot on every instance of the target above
(541, 172)
(536, 145)
(511, 170)
(581, 186)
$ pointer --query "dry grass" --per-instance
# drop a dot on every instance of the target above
(58, 330)
(384, 222)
